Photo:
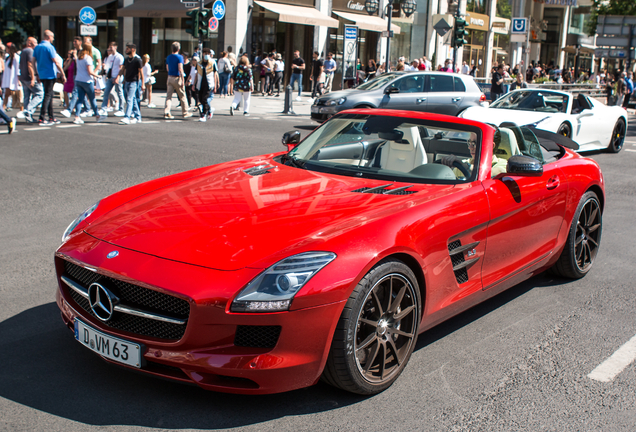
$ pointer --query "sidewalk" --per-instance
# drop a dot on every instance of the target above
(259, 105)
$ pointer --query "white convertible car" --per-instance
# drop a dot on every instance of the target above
(591, 124)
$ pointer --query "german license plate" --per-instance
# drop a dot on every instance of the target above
(315, 109)
(112, 348)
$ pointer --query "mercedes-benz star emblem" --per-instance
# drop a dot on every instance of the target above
(102, 301)
(112, 254)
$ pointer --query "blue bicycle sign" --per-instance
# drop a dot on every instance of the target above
(218, 9)
(87, 15)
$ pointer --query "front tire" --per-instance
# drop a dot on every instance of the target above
(583, 241)
(618, 137)
(377, 330)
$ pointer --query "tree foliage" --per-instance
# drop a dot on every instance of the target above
(609, 7)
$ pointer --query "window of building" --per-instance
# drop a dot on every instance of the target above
(578, 18)
(504, 9)
(477, 6)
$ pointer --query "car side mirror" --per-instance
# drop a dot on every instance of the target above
(291, 139)
(391, 89)
(524, 166)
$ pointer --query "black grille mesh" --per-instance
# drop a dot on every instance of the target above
(462, 274)
(135, 296)
(257, 336)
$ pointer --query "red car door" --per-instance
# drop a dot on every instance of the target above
(526, 214)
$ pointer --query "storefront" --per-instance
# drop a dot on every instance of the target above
(475, 49)
(501, 41)
(64, 22)
(286, 26)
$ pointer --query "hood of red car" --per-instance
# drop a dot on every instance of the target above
(229, 219)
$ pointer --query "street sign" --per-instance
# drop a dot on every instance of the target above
(213, 24)
(517, 38)
(442, 23)
(88, 30)
(218, 9)
(519, 26)
(190, 5)
(618, 53)
(386, 33)
(87, 15)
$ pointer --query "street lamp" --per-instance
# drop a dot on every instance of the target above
(372, 7)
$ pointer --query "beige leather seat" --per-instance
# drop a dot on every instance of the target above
(406, 155)
(508, 146)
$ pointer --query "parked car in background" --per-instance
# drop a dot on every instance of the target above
(590, 123)
(435, 92)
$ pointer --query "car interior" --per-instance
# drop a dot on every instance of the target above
(394, 146)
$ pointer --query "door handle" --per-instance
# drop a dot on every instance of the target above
(553, 183)
(420, 100)
(456, 99)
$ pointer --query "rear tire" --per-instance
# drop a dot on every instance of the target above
(566, 130)
(364, 106)
(377, 330)
(618, 137)
(584, 239)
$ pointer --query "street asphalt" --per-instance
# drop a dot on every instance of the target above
(518, 362)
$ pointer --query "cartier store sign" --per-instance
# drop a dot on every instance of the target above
(353, 6)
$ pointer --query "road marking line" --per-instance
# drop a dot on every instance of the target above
(622, 357)
(37, 128)
(97, 124)
(150, 122)
(630, 150)
(67, 126)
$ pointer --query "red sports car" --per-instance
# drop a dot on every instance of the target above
(267, 274)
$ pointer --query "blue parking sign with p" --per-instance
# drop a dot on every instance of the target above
(87, 15)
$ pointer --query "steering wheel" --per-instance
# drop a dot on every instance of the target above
(460, 166)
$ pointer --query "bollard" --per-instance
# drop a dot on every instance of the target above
(289, 101)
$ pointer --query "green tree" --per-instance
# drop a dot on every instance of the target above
(608, 7)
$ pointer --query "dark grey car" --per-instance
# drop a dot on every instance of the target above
(435, 92)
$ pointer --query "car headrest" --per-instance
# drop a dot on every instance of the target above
(394, 135)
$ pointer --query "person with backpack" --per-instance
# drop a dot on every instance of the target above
(225, 71)
(209, 74)
(243, 86)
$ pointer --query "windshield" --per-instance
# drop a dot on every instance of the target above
(533, 100)
(378, 82)
(391, 148)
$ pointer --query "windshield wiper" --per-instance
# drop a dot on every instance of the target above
(294, 162)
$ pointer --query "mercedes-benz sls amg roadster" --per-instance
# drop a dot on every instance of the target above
(324, 261)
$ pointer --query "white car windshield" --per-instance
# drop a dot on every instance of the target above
(533, 100)
(378, 82)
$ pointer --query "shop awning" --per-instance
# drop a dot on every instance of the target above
(367, 22)
(299, 14)
(582, 50)
(155, 9)
(67, 7)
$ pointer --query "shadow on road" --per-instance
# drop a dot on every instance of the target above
(43, 367)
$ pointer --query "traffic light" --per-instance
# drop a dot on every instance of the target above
(460, 32)
(192, 24)
(204, 19)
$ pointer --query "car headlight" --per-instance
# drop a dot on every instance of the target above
(336, 101)
(274, 289)
(79, 220)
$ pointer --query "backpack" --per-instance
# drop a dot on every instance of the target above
(226, 66)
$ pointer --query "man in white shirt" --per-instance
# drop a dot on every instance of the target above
(113, 64)
(465, 68)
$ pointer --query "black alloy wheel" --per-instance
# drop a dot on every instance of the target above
(618, 137)
(584, 239)
(377, 331)
(565, 130)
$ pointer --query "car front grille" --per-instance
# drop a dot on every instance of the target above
(257, 336)
(140, 298)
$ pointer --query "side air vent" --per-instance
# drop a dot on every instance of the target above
(382, 190)
(460, 264)
(258, 170)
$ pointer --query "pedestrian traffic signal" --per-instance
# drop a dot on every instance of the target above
(460, 33)
(192, 24)
(204, 20)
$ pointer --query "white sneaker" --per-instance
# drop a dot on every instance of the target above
(119, 113)
(110, 109)
(86, 114)
(152, 106)
(204, 118)
(21, 115)
(66, 113)
(124, 121)
(211, 114)
(133, 121)
(298, 99)
(101, 118)
(78, 121)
